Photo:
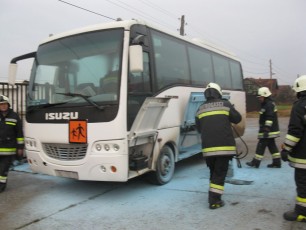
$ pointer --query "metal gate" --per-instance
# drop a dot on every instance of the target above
(17, 96)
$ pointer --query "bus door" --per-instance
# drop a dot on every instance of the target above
(190, 141)
(144, 132)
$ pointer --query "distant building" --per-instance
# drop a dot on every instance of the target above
(252, 85)
(285, 94)
(281, 93)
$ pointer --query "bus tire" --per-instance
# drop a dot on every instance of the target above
(165, 166)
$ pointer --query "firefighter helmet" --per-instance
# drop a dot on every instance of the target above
(264, 92)
(4, 99)
(300, 84)
(214, 86)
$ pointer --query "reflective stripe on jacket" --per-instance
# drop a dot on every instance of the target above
(3, 179)
(213, 121)
(295, 140)
(11, 134)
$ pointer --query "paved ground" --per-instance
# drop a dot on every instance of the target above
(35, 202)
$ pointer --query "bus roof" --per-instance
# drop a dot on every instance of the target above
(126, 24)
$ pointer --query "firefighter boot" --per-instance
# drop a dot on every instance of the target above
(217, 204)
(275, 164)
(294, 216)
(214, 200)
(2, 187)
(254, 163)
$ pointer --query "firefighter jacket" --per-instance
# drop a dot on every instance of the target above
(11, 134)
(213, 121)
(295, 140)
(268, 121)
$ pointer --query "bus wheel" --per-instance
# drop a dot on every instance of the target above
(164, 167)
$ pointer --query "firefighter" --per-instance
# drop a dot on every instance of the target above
(11, 139)
(294, 149)
(213, 121)
(268, 130)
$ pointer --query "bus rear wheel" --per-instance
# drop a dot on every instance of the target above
(165, 165)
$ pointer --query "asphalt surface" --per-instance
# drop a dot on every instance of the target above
(35, 201)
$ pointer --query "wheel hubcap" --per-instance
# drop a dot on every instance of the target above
(165, 165)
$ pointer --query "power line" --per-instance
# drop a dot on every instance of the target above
(244, 56)
(129, 8)
(156, 7)
(126, 7)
(87, 10)
(136, 11)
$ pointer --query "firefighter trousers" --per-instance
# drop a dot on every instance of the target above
(218, 167)
(262, 144)
(5, 163)
(300, 181)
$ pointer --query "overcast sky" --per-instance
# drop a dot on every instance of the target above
(255, 30)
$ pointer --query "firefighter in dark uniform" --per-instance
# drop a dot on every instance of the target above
(268, 130)
(294, 149)
(11, 139)
(213, 121)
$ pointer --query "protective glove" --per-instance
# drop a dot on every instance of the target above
(265, 134)
(266, 131)
(19, 154)
(284, 154)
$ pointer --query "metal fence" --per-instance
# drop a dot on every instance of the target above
(17, 96)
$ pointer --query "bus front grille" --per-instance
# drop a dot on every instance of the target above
(67, 152)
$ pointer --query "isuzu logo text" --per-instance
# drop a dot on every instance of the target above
(62, 116)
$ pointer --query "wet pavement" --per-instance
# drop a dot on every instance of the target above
(35, 201)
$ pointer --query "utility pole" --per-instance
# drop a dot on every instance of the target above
(271, 73)
(182, 29)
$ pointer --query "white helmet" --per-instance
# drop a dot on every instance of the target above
(214, 86)
(300, 84)
(264, 92)
(4, 99)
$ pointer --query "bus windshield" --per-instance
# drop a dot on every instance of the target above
(78, 69)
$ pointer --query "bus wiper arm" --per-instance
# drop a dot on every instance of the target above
(86, 98)
(47, 105)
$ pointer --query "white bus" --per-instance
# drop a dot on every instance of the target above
(114, 101)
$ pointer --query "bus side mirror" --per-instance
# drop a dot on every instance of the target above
(12, 73)
(136, 59)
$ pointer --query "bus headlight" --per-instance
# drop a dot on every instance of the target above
(116, 147)
(98, 147)
(103, 168)
(107, 147)
(101, 147)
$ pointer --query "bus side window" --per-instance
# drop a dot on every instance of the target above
(201, 66)
(171, 60)
(222, 71)
(140, 82)
(236, 75)
(139, 86)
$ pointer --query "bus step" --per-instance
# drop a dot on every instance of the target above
(139, 162)
(186, 152)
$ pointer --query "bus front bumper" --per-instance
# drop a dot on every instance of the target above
(95, 168)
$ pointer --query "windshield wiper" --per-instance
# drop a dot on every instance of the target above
(86, 98)
(40, 106)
